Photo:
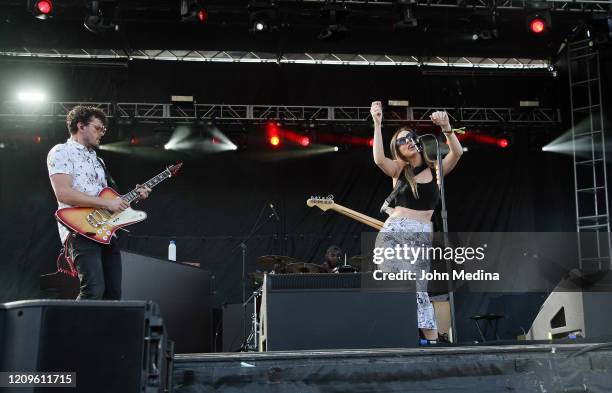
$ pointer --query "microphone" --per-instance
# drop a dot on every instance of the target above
(416, 141)
(274, 213)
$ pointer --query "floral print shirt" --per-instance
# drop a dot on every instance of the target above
(72, 158)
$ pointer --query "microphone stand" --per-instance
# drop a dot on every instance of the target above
(444, 215)
(243, 245)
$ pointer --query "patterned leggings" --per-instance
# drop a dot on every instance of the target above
(400, 230)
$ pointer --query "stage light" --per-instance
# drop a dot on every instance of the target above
(274, 140)
(31, 96)
(193, 11)
(99, 17)
(42, 9)
(539, 22)
(537, 25)
(263, 15)
(38, 139)
(407, 19)
(503, 143)
(305, 141)
(336, 27)
(371, 142)
(336, 148)
(259, 25)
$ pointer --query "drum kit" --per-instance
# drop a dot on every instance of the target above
(281, 264)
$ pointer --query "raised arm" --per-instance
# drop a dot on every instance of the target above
(449, 162)
(387, 165)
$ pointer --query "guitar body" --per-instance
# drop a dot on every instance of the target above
(98, 224)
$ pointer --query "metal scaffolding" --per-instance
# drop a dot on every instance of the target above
(557, 5)
(589, 153)
(502, 63)
(256, 114)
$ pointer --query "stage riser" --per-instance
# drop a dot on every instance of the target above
(473, 369)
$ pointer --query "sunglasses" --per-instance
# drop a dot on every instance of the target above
(405, 140)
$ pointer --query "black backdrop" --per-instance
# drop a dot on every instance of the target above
(215, 201)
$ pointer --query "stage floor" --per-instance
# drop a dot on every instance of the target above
(541, 368)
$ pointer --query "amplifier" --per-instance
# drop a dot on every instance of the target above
(335, 311)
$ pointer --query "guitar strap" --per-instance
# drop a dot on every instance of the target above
(109, 179)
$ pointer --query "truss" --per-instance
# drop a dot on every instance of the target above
(291, 58)
(557, 5)
(239, 114)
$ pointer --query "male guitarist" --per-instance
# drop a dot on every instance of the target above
(77, 176)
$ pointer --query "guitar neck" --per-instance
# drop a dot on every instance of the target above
(152, 182)
(374, 223)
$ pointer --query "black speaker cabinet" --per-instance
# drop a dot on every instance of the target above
(335, 311)
(113, 346)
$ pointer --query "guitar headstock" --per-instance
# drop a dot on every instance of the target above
(323, 203)
(175, 168)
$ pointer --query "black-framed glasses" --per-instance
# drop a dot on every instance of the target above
(98, 127)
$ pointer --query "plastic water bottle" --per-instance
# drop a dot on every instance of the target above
(172, 251)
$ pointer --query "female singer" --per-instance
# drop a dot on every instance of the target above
(409, 221)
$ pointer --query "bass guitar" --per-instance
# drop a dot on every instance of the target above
(328, 203)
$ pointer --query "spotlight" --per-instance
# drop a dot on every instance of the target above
(406, 8)
(371, 142)
(263, 15)
(193, 11)
(274, 140)
(539, 23)
(336, 148)
(42, 9)
(305, 141)
(503, 143)
(99, 19)
(336, 15)
(31, 96)
(259, 26)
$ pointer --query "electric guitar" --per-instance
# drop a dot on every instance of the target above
(328, 203)
(100, 224)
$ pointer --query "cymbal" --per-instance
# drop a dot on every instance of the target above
(272, 262)
(302, 267)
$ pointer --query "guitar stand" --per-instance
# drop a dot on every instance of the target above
(251, 342)
(243, 245)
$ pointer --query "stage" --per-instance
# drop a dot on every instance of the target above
(526, 368)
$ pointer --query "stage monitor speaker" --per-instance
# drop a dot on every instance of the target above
(582, 314)
(112, 346)
(335, 311)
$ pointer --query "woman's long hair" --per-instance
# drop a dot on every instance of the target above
(408, 170)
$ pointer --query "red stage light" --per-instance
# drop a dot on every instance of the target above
(134, 141)
(503, 143)
(202, 16)
(38, 139)
(44, 7)
(304, 141)
(371, 142)
(537, 25)
(274, 140)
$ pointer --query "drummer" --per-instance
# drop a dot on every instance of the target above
(333, 258)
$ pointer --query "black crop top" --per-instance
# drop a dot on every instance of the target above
(429, 194)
